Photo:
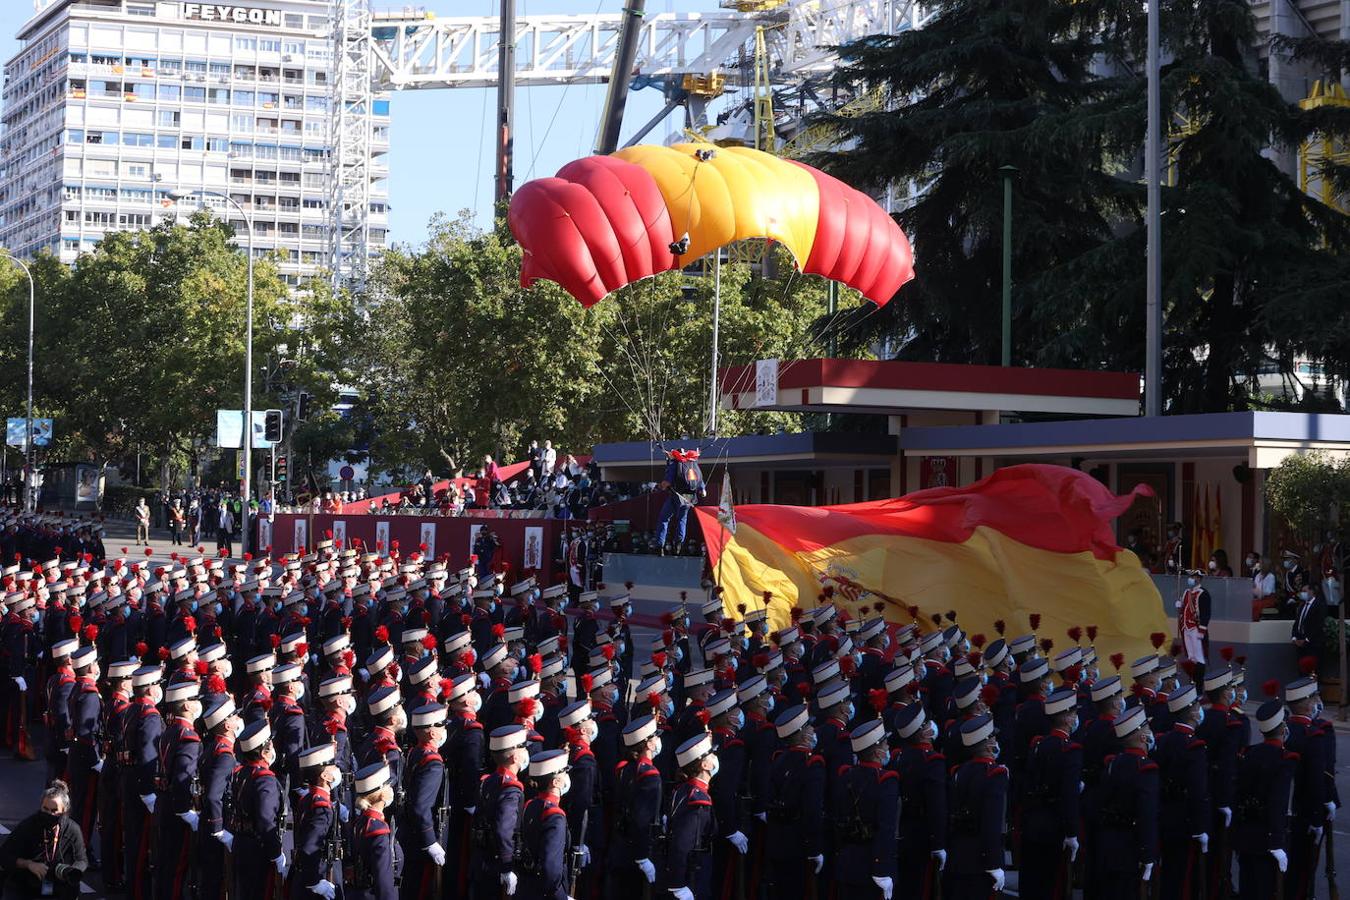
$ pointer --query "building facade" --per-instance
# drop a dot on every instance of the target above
(112, 106)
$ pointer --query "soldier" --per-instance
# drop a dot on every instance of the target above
(221, 723)
(290, 735)
(111, 811)
(1050, 815)
(463, 754)
(142, 729)
(1183, 770)
(257, 816)
(60, 685)
(866, 817)
(257, 699)
(317, 818)
(422, 819)
(543, 853)
(698, 687)
(1264, 788)
(584, 823)
(86, 759)
(388, 724)
(687, 872)
(1314, 790)
(21, 643)
(921, 852)
(178, 788)
(1221, 733)
(1128, 840)
(375, 854)
(637, 812)
(336, 703)
(978, 798)
(497, 815)
(796, 794)
(727, 791)
(1098, 737)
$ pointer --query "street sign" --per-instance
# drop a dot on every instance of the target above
(229, 425)
(346, 473)
(239, 464)
(16, 432)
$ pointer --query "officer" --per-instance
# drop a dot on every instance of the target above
(1053, 772)
(376, 863)
(178, 787)
(978, 802)
(1128, 840)
(463, 753)
(422, 819)
(257, 815)
(1183, 770)
(110, 796)
(1263, 790)
(687, 872)
(500, 798)
(222, 724)
(796, 794)
(85, 759)
(543, 854)
(866, 817)
(140, 737)
(317, 819)
(637, 812)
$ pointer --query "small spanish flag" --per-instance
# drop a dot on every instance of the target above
(1027, 539)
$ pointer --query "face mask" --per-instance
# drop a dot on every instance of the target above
(995, 751)
(734, 663)
(37, 617)
(48, 820)
(349, 704)
(300, 690)
(1305, 596)
(1288, 563)
(931, 729)
(1251, 561)
(1151, 743)
(475, 702)
(768, 704)
(589, 730)
(492, 606)
(1316, 710)
(739, 721)
(716, 764)
(193, 606)
(668, 708)
(679, 654)
(564, 785)
(811, 744)
(1190, 582)
(670, 681)
(217, 609)
(848, 712)
(656, 748)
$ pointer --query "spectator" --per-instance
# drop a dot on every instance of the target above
(176, 521)
(1218, 565)
(1263, 586)
(550, 460)
(44, 856)
(428, 483)
(225, 530)
(1309, 621)
(142, 512)
(536, 457)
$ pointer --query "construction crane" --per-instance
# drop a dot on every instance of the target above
(685, 54)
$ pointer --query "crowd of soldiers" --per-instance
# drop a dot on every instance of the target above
(423, 732)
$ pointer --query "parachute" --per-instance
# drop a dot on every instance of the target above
(606, 221)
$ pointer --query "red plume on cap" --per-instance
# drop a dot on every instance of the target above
(759, 660)
(829, 591)
(913, 612)
(1000, 625)
(1156, 639)
(1188, 666)
(466, 620)
(1035, 619)
(768, 595)
(1241, 660)
(346, 623)
(190, 624)
(163, 654)
(587, 683)
(422, 547)
(608, 652)
(572, 735)
(382, 634)
(937, 619)
(1047, 645)
(141, 648)
(1118, 660)
(668, 637)
(1271, 688)
(659, 659)
(75, 622)
(795, 613)
(1227, 654)
(975, 658)
(468, 658)
(877, 698)
(203, 549)
(429, 642)
(275, 640)
(1071, 674)
(1308, 665)
(667, 619)
(499, 631)
(149, 552)
(125, 551)
(215, 685)
(301, 650)
(1075, 633)
(950, 615)
(393, 545)
(1137, 689)
(804, 689)
(846, 666)
(426, 617)
(977, 640)
(684, 595)
(90, 633)
(727, 624)
(1091, 633)
(446, 685)
(535, 663)
(628, 585)
(201, 667)
(989, 695)
(654, 700)
(741, 608)
(248, 557)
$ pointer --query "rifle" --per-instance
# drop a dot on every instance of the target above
(1329, 836)
(1201, 870)
(575, 872)
(26, 750)
(195, 856)
(334, 849)
(279, 883)
(1226, 866)
(441, 819)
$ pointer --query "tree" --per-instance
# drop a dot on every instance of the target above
(987, 84)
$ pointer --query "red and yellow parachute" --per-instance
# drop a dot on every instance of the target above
(606, 221)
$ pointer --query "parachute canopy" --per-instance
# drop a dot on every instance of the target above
(606, 221)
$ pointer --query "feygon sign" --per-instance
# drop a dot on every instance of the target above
(240, 15)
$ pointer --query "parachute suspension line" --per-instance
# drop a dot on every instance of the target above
(641, 414)
(716, 329)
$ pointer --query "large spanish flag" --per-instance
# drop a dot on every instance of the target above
(1027, 539)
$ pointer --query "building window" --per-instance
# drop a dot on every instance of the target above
(138, 170)
(194, 94)
(269, 45)
(169, 91)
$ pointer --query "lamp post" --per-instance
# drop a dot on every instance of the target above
(246, 438)
(28, 499)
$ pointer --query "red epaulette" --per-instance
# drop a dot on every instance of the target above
(764, 726)
(147, 711)
(551, 810)
(815, 759)
(1291, 756)
(1107, 760)
(887, 774)
(839, 773)
(260, 771)
(649, 772)
(1148, 766)
(429, 757)
(475, 724)
(1037, 739)
(619, 767)
(377, 831)
(699, 801)
(509, 782)
(320, 803)
(1233, 723)
(583, 754)
(934, 755)
(385, 744)
(190, 736)
(995, 771)
(1195, 744)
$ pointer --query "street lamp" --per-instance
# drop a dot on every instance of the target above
(246, 437)
(28, 499)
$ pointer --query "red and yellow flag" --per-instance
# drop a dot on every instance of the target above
(1027, 539)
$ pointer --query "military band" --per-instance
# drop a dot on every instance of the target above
(363, 725)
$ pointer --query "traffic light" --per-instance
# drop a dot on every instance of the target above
(302, 407)
(281, 469)
(272, 426)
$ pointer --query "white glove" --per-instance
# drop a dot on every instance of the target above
(344, 813)
(23, 685)
(1071, 844)
(314, 659)
(509, 881)
(739, 842)
(941, 857)
(363, 674)
(98, 766)
(997, 875)
(485, 680)
(1331, 810)
(585, 855)
(1227, 815)
(470, 810)
(190, 818)
(1281, 860)
(149, 801)
(1316, 831)
(819, 860)
(225, 838)
(1203, 841)
(325, 889)
(763, 817)
(280, 863)
(682, 893)
(886, 885)
(648, 870)
(437, 853)
(1148, 872)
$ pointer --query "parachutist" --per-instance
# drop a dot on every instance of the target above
(704, 155)
(680, 247)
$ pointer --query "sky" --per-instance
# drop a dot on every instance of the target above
(441, 156)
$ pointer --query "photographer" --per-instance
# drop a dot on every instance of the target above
(45, 848)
